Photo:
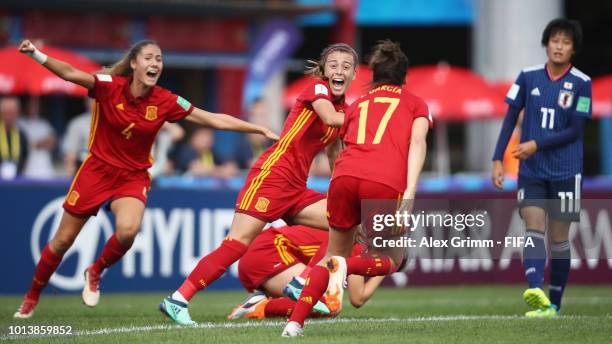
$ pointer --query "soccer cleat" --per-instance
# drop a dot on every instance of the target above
(536, 298)
(176, 310)
(91, 290)
(293, 329)
(337, 282)
(26, 309)
(252, 308)
(293, 290)
(549, 312)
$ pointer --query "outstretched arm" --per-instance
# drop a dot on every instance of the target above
(225, 122)
(60, 68)
(359, 291)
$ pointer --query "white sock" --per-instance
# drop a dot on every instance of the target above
(179, 297)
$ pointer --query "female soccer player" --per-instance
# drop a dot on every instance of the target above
(278, 256)
(556, 98)
(276, 185)
(129, 111)
(385, 132)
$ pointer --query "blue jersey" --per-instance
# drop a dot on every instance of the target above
(549, 106)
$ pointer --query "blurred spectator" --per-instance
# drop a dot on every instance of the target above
(13, 140)
(197, 157)
(42, 141)
(259, 143)
(169, 134)
(75, 145)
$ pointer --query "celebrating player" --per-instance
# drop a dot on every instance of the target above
(557, 100)
(277, 257)
(385, 132)
(129, 111)
(276, 185)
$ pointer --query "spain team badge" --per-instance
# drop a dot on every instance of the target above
(151, 113)
(262, 204)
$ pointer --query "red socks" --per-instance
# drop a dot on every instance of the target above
(48, 263)
(315, 286)
(370, 265)
(279, 307)
(212, 266)
(111, 253)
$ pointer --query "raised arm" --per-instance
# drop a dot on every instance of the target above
(60, 68)
(225, 122)
(328, 114)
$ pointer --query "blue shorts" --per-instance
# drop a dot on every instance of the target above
(560, 199)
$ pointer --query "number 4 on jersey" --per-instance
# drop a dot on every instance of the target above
(127, 132)
(363, 118)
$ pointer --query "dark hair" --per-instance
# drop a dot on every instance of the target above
(122, 67)
(569, 27)
(389, 63)
(317, 68)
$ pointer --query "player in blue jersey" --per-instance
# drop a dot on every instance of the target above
(556, 97)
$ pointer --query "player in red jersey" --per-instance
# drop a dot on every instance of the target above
(276, 185)
(129, 111)
(385, 132)
(277, 257)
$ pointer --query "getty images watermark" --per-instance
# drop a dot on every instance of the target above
(394, 230)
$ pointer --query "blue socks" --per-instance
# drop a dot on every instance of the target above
(534, 258)
(559, 271)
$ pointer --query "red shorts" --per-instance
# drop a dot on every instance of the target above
(270, 254)
(269, 197)
(96, 182)
(345, 196)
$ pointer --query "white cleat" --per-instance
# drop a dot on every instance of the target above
(26, 309)
(91, 290)
(293, 329)
(336, 266)
(253, 307)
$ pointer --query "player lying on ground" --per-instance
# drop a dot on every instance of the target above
(130, 108)
(556, 98)
(274, 266)
(384, 133)
(276, 185)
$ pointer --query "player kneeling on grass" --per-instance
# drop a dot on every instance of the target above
(556, 98)
(130, 109)
(273, 271)
(384, 133)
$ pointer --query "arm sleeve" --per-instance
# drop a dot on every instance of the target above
(516, 94)
(316, 90)
(583, 106)
(565, 136)
(179, 109)
(422, 110)
(506, 132)
(103, 84)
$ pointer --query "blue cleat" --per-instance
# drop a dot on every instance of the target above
(176, 310)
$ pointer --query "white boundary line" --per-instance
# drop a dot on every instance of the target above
(279, 324)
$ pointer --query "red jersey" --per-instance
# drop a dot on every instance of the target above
(377, 131)
(303, 136)
(123, 128)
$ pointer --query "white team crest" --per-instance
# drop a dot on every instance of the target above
(566, 98)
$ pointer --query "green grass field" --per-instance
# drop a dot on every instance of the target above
(485, 314)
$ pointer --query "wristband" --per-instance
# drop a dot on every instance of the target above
(38, 56)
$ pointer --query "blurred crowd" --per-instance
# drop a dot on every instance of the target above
(31, 148)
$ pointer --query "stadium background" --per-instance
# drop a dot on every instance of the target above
(208, 55)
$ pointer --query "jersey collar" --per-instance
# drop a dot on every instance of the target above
(128, 95)
(569, 67)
